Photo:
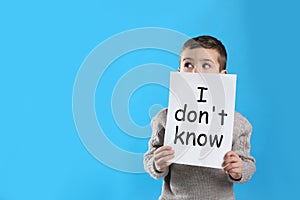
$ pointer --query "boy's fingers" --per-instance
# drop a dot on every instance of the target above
(165, 159)
(162, 154)
(232, 166)
(231, 160)
(231, 157)
(235, 170)
(161, 157)
(163, 162)
(163, 148)
(229, 154)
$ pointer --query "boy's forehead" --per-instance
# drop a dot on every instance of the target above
(199, 53)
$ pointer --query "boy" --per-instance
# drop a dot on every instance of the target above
(203, 54)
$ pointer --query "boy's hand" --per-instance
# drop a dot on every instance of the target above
(161, 157)
(233, 165)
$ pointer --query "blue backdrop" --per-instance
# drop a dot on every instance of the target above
(44, 43)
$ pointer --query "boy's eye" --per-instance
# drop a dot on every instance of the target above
(188, 65)
(206, 66)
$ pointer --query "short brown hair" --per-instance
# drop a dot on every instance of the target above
(208, 42)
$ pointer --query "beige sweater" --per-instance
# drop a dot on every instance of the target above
(192, 182)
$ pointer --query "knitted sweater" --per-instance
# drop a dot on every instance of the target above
(193, 182)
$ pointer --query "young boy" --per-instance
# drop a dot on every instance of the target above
(203, 54)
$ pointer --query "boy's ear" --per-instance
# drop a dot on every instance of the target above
(179, 69)
(224, 71)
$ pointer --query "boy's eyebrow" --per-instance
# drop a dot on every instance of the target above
(207, 59)
(187, 58)
(204, 59)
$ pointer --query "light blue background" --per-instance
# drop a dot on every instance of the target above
(43, 44)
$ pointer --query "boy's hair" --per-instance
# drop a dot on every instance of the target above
(208, 42)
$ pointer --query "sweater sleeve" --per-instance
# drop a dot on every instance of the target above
(241, 145)
(158, 124)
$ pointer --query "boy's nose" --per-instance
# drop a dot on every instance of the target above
(195, 70)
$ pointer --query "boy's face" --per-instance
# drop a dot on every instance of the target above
(200, 60)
